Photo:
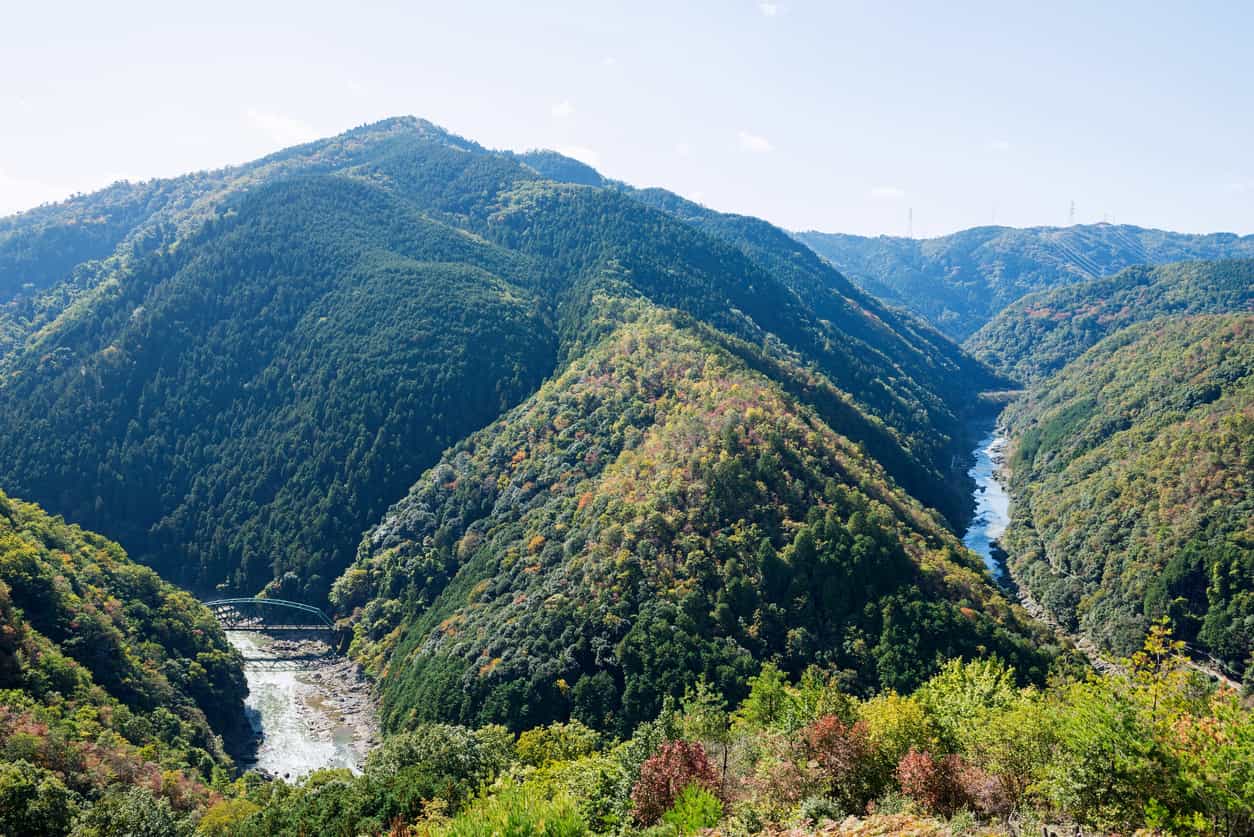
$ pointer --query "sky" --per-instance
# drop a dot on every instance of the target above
(842, 117)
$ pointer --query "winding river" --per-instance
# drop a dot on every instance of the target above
(992, 503)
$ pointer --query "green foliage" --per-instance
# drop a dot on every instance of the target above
(33, 801)
(959, 282)
(109, 678)
(695, 808)
(225, 816)
(131, 813)
(79, 614)
(516, 811)
(556, 742)
(1043, 332)
(1153, 747)
(1131, 481)
(964, 692)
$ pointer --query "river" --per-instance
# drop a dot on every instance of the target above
(308, 708)
(992, 503)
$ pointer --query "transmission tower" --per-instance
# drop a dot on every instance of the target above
(1071, 215)
(910, 222)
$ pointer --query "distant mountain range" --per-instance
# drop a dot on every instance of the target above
(959, 282)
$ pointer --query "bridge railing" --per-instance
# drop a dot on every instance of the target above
(252, 611)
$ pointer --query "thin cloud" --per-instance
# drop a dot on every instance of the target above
(888, 193)
(563, 109)
(280, 128)
(683, 149)
(997, 145)
(754, 143)
(1239, 187)
(768, 9)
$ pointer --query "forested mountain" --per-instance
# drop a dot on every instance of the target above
(1131, 478)
(53, 254)
(656, 514)
(109, 677)
(1042, 332)
(273, 354)
(959, 282)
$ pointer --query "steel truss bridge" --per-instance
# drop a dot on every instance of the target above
(268, 615)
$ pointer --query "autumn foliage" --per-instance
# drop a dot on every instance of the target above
(664, 776)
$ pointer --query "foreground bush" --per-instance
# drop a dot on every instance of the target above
(514, 812)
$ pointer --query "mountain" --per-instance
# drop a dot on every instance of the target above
(959, 282)
(1131, 486)
(1042, 332)
(108, 676)
(270, 355)
(658, 512)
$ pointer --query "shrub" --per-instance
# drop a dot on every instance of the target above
(695, 808)
(556, 742)
(962, 823)
(515, 810)
(816, 809)
(936, 784)
(663, 776)
(224, 816)
(841, 752)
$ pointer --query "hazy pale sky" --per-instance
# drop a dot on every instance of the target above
(835, 116)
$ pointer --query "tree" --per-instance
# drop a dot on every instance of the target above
(33, 801)
(665, 775)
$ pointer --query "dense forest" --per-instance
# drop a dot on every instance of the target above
(1131, 476)
(658, 513)
(274, 353)
(109, 679)
(1041, 333)
(959, 282)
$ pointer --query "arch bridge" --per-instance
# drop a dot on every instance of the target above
(252, 614)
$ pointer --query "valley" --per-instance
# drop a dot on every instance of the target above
(624, 516)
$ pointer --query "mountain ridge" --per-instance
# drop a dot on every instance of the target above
(958, 282)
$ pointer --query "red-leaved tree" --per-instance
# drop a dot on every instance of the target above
(841, 754)
(936, 784)
(665, 774)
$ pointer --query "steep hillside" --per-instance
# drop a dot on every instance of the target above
(108, 676)
(1132, 486)
(1039, 334)
(52, 255)
(657, 513)
(239, 394)
(959, 282)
